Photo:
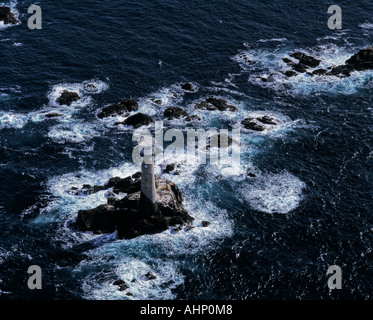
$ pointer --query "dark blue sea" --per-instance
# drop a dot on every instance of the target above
(271, 237)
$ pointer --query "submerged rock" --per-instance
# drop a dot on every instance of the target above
(7, 16)
(124, 216)
(68, 97)
(119, 108)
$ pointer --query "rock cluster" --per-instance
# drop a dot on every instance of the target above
(363, 60)
(123, 214)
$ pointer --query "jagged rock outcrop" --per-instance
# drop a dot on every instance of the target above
(7, 16)
(363, 60)
(306, 60)
(68, 97)
(128, 184)
(213, 104)
(177, 113)
(259, 123)
(138, 120)
(124, 216)
(121, 108)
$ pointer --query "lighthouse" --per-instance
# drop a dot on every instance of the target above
(148, 198)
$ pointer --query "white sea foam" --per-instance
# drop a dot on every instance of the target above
(264, 64)
(12, 120)
(283, 127)
(366, 25)
(72, 132)
(273, 193)
(84, 90)
(131, 259)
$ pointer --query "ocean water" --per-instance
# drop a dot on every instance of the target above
(271, 237)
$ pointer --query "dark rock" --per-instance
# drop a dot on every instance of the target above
(251, 124)
(85, 190)
(138, 120)
(213, 104)
(53, 115)
(221, 104)
(169, 168)
(68, 97)
(7, 16)
(203, 105)
(251, 175)
(290, 73)
(129, 202)
(124, 216)
(129, 294)
(319, 72)
(193, 117)
(156, 101)
(340, 71)
(133, 280)
(122, 285)
(287, 60)
(149, 276)
(306, 60)
(175, 113)
(267, 120)
(363, 60)
(102, 219)
(121, 108)
(301, 68)
(188, 87)
(129, 184)
(205, 224)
